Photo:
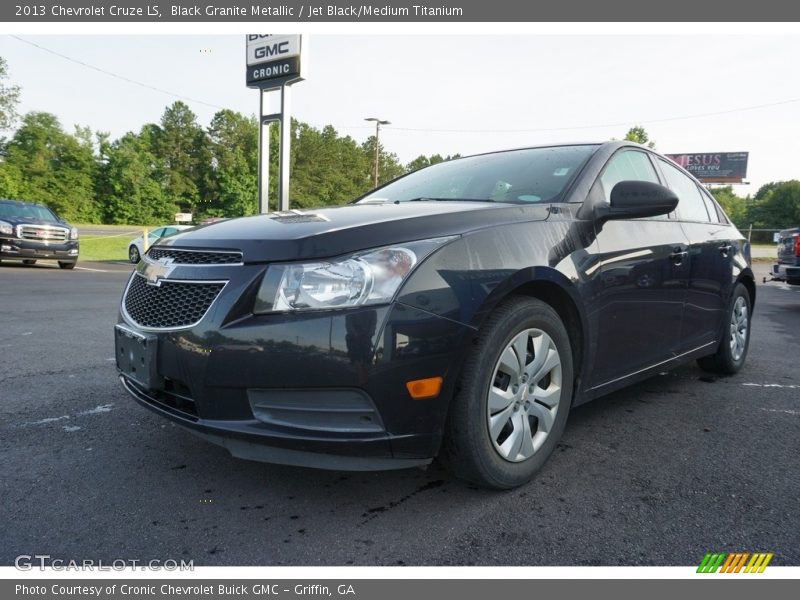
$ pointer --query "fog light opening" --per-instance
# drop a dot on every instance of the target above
(422, 389)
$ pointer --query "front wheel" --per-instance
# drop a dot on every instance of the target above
(133, 254)
(513, 397)
(29, 262)
(66, 265)
(732, 351)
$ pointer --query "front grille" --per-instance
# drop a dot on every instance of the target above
(196, 257)
(170, 305)
(44, 233)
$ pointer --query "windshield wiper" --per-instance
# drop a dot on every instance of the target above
(430, 199)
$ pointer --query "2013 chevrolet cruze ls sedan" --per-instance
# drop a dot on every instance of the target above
(458, 311)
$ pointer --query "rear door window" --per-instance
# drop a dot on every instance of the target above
(691, 204)
(714, 209)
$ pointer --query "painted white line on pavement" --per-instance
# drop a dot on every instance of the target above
(50, 420)
(95, 270)
(103, 408)
(98, 409)
(788, 386)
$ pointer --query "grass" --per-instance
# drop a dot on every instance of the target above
(105, 248)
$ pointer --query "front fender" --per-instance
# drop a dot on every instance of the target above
(465, 280)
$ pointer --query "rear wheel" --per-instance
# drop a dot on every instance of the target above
(133, 254)
(732, 351)
(29, 261)
(513, 397)
(66, 265)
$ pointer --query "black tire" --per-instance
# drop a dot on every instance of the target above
(468, 448)
(66, 265)
(29, 261)
(133, 254)
(724, 361)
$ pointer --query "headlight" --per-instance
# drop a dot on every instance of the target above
(73, 233)
(369, 277)
(6, 228)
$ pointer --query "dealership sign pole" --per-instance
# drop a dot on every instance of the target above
(274, 63)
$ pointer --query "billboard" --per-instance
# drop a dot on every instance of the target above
(714, 167)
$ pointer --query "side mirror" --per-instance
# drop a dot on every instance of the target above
(637, 199)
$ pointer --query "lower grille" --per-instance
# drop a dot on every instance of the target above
(168, 400)
(170, 305)
(42, 233)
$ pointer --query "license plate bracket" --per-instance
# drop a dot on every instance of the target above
(136, 354)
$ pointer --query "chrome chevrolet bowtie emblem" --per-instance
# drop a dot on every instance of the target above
(154, 272)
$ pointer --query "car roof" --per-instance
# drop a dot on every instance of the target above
(608, 144)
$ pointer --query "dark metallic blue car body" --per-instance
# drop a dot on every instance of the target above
(636, 296)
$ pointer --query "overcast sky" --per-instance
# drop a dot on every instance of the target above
(451, 93)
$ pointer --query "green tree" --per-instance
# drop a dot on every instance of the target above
(9, 98)
(389, 166)
(130, 182)
(765, 189)
(232, 168)
(423, 161)
(180, 143)
(176, 165)
(50, 166)
(326, 169)
(778, 207)
(734, 206)
(638, 134)
(10, 180)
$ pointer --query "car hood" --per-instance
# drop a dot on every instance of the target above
(26, 221)
(328, 232)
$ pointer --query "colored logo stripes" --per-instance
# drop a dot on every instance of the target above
(734, 562)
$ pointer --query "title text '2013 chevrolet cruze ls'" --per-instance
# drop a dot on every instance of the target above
(458, 311)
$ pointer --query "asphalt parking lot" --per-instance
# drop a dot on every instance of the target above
(658, 474)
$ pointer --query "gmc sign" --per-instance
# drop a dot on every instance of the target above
(271, 47)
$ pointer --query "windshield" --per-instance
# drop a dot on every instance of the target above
(519, 176)
(26, 211)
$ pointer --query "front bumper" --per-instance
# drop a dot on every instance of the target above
(35, 250)
(325, 390)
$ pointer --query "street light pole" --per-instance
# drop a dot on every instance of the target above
(378, 123)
